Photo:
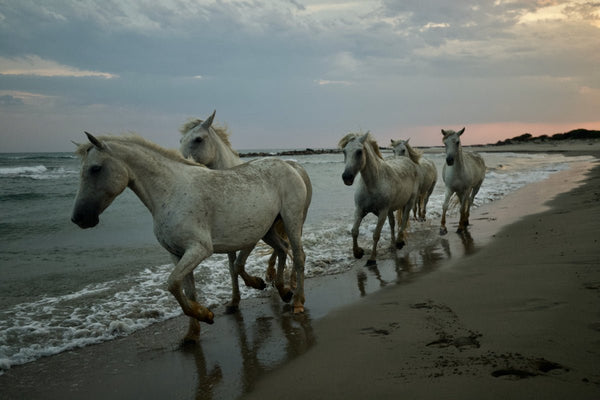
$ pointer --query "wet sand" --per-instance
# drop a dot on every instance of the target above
(511, 309)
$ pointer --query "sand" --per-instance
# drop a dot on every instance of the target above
(509, 311)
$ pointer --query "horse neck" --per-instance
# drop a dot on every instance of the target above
(152, 176)
(225, 157)
(459, 159)
(370, 172)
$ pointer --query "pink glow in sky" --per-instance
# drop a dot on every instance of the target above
(483, 133)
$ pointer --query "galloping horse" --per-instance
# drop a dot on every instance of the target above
(463, 174)
(197, 211)
(427, 175)
(386, 186)
(209, 145)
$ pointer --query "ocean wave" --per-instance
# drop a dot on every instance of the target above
(37, 172)
(23, 170)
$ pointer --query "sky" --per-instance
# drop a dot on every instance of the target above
(296, 73)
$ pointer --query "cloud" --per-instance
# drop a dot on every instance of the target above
(8, 100)
(323, 82)
(36, 66)
(266, 64)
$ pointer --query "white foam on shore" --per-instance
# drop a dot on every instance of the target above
(107, 310)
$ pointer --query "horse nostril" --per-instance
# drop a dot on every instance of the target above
(348, 178)
(449, 160)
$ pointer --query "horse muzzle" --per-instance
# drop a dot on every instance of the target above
(84, 217)
(85, 222)
(348, 178)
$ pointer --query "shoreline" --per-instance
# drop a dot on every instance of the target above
(516, 319)
(265, 347)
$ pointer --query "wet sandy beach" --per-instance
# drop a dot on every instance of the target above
(510, 309)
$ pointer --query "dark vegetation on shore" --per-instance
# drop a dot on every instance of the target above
(576, 134)
(307, 151)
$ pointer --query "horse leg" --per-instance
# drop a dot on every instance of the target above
(443, 229)
(471, 199)
(464, 212)
(356, 249)
(280, 230)
(376, 235)
(402, 225)
(392, 223)
(279, 246)
(185, 266)
(234, 303)
(293, 222)
(415, 210)
(237, 268)
(189, 288)
(240, 268)
(425, 201)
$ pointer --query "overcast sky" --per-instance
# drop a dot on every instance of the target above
(296, 73)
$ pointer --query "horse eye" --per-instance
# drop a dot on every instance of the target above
(94, 169)
(198, 140)
(359, 153)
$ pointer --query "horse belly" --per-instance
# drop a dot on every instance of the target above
(237, 228)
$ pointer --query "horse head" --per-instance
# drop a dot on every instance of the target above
(452, 144)
(354, 156)
(102, 178)
(196, 140)
(399, 147)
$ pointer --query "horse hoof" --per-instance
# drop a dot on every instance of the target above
(443, 231)
(358, 254)
(261, 284)
(231, 309)
(190, 340)
(210, 318)
(371, 263)
(287, 297)
(400, 244)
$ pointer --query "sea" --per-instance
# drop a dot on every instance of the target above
(62, 287)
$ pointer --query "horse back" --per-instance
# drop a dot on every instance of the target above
(476, 166)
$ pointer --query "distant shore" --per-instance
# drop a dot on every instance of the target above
(583, 143)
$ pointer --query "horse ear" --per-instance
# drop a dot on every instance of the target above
(364, 137)
(75, 143)
(99, 145)
(444, 132)
(407, 140)
(461, 131)
(207, 124)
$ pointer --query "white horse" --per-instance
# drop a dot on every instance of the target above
(386, 186)
(197, 211)
(463, 174)
(209, 144)
(427, 175)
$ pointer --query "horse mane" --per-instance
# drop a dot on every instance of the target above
(221, 131)
(370, 141)
(133, 138)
